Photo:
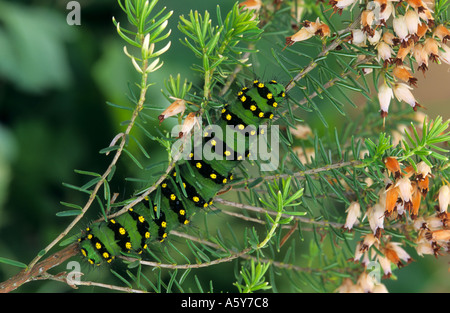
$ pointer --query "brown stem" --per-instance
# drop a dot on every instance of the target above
(39, 269)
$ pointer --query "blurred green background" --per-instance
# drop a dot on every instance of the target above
(55, 80)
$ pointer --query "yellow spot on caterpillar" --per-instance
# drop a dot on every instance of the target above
(241, 127)
(89, 236)
(261, 114)
(196, 199)
(98, 246)
(262, 131)
(173, 197)
(273, 81)
(164, 185)
(260, 85)
(224, 181)
(253, 132)
(213, 176)
(91, 261)
(184, 185)
(283, 94)
(88, 229)
(206, 134)
(271, 116)
(227, 153)
(146, 198)
(128, 245)
(191, 155)
(199, 165)
(228, 117)
(210, 202)
(186, 222)
(130, 209)
(113, 221)
(147, 234)
(174, 174)
(269, 96)
(243, 98)
(223, 110)
(275, 104)
(141, 219)
(164, 224)
(239, 157)
(256, 81)
(205, 205)
(240, 93)
(122, 231)
(213, 142)
(231, 177)
(145, 247)
(253, 107)
(105, 255)
(182, 212)
(83, 252)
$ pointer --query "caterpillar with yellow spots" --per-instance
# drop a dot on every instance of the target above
(190, 186)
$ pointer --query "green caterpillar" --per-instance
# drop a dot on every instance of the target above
(193, 185)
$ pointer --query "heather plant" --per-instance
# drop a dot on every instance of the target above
(334, 195)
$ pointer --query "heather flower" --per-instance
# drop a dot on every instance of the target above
(393, 166)
(339, 5)
(442, 33)
(188, 124)
(405, 191)
(431, 48)
(401, 253)
(353, 214)
(444, 55)
(385, 94)
(384, 52)
(402, 93)
(402, 73)
(251, 4)
(412, 22)
(358, 37)
(421, 56)
(178, 106)
(375, 216)
(444, 198)
(401, 29)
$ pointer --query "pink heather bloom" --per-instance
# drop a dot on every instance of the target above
(403, 93)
